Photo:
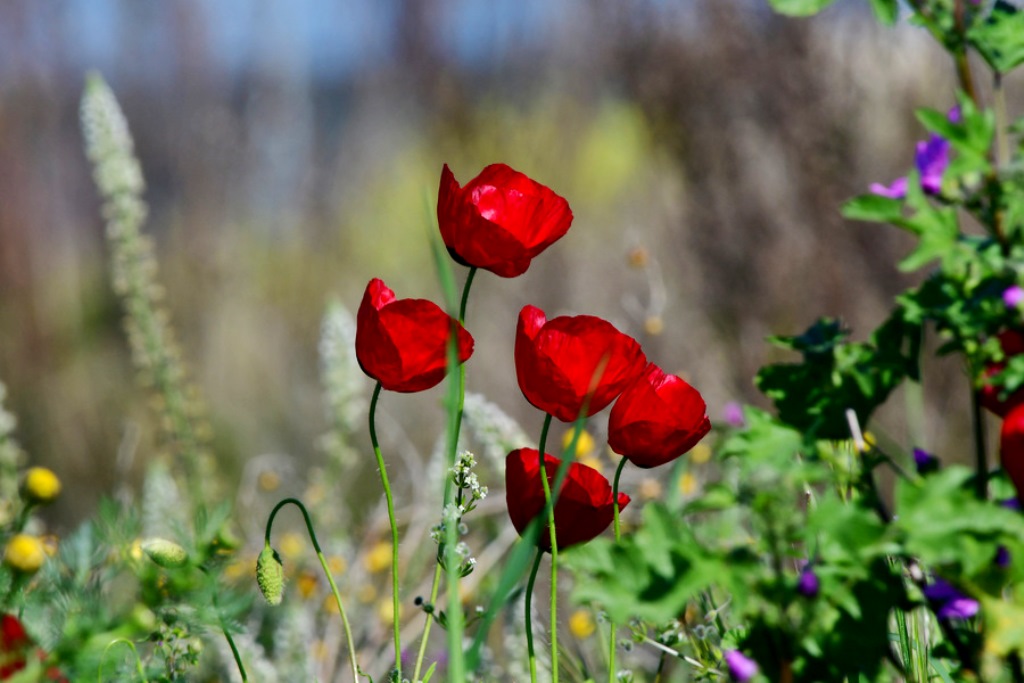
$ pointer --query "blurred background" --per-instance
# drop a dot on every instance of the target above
(292, 151)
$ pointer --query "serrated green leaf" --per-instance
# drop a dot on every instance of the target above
(874, 208)
(999, 39)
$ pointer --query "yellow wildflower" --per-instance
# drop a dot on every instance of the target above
(379, 558)
(24, 553)
(40, 486)
(581, 624)
(584, 444)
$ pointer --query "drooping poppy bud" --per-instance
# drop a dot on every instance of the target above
(270, 575)
(584, 507)
(403, 343)
(500, 220)
(657, 418)
(571, 362)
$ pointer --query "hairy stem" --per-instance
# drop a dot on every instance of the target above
(323, 563)
(394, 530)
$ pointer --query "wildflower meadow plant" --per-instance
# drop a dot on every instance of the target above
(765, 547)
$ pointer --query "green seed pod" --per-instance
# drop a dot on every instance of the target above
(270, 575)
(167, 554)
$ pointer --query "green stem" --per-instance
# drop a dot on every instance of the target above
(394, 530)
(454, 427)
(963, 66)
(980, 456)
(323, 563)
(434, 587)
(465, 294)
(618, 534)
(999, 109)
(529, 617)
(135, 653)
(234, 650)
(554, 548)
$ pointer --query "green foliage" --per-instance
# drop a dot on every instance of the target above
(800, 8)
(999, 37)
(836, 375)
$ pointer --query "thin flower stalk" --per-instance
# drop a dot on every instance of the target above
(395, 604)
(327, 571)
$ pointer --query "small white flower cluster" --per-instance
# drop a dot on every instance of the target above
(465, 480)
(469, 491)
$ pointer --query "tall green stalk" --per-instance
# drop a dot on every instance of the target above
(550, 506)
(618, 536)
(394, 531)
(529, 616)
(456, 400)
(323, 563)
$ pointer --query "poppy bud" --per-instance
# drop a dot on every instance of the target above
(270, 575)
(167, 554)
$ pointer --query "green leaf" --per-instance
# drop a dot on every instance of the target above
(873, 208)
(944, 524)
(887, 11)
(799, 8)
(836, 375)
(1000, 37)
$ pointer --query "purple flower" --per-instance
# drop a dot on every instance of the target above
(924, 461)
(733, 414)
(931, 160)
(808, 584)
(896, 190)
(949, 603)
(1003, 557)
(955, 115)
(1013, 296)
(741, 667)
(1011, 503)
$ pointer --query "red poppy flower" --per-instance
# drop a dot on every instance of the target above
(656, 419)
(1011, 448)
(403, 343)
(1012, 343)
(14, 646)
(557, 359)
(500, 220)
(584, 507)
